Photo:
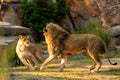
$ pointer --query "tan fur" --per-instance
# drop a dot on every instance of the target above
(71, 44)
(29, 52)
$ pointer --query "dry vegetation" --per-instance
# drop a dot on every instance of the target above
(76, 69)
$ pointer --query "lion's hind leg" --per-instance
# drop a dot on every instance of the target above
(63, 62)
(24, 61)
(97, 62)
(33, 58)
(31, 62)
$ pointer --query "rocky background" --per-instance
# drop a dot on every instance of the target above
(107, 12)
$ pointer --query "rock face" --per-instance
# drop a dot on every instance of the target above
(93, 8)
(82, 10)
(105, 10)
(9, 15)
(103, 4)
(8, 29)
(10, 12)
(111, 16)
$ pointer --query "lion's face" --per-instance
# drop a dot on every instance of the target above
(51, 31)
(47, 34)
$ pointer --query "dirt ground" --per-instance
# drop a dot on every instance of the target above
(76, 69)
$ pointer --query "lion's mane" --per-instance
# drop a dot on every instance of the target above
(55, 35)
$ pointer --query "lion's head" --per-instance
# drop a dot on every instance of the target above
(53, 31)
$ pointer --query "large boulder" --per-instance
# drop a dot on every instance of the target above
(115, 31)
(8, 29)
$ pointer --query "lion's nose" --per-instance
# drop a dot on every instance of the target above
(44, 30)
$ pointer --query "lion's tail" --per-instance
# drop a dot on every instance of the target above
(106, 50)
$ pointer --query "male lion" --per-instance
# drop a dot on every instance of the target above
(29, 52)
(71, 44)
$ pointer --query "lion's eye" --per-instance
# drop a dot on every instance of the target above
(45, 30)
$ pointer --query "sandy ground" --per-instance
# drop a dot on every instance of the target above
(75, 70)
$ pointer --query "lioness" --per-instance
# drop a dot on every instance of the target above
(29, 52)
(72, 44)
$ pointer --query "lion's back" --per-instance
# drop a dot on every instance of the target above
(80, 38)
(77, 42)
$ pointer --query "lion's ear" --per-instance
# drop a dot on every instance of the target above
(27, 41)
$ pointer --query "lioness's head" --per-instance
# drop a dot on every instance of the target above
(23, 41)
